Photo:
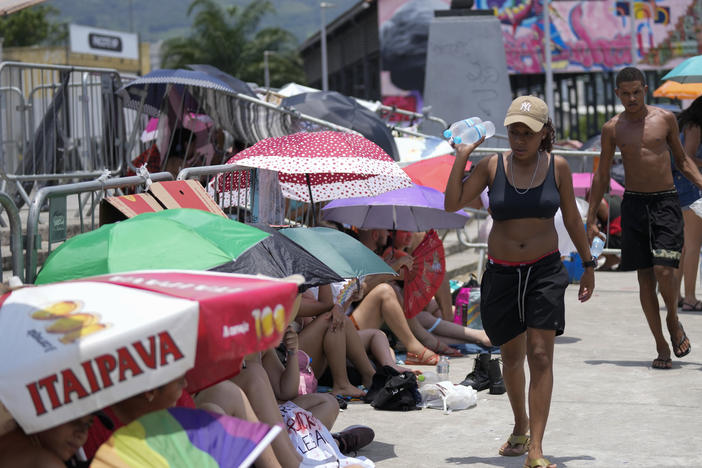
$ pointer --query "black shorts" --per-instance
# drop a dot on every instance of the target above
(652, 230)
(514, 298)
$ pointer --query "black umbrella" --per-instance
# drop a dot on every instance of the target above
(235, 83)
(343, 110)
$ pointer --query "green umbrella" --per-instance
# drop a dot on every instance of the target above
(183, 239)
(341, 252)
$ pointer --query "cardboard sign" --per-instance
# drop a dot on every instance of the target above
(184, 194)
(162, 195)
(113, 209)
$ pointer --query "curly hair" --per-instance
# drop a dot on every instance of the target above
(691, 115)
(549, 138)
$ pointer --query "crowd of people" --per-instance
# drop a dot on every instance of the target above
(522, 292)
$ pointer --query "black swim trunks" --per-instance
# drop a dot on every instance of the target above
(652, 230)
(514, 297)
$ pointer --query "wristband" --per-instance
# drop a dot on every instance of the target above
(590, 263)
(291, 352)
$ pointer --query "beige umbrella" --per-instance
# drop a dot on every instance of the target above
(11, 6)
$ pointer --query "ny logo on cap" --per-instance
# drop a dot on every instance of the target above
(526, 107)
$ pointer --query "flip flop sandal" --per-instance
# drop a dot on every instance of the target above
(660, 363)
(538, 463)
(696, 307)
(414, 359)
(450, 351)
(509, 449)
(677, 348)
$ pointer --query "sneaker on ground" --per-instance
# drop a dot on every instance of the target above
(353, 438)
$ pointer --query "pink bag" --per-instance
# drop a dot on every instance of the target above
(469, 297)
(308, 382)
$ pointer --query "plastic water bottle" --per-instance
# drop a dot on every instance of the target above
(476, 132)
(442, 368)
(458, 128)
(427, 377)
(597, 246)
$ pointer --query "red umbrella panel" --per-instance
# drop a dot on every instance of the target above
(239, 315)
(318, 166)
(79, 346)
(432, 172)
(428, 270)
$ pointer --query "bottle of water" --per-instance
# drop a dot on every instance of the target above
(442, 368)
(597, 246)
(476, 132)
(457, 128)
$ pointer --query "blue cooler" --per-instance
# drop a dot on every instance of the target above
(574, 266)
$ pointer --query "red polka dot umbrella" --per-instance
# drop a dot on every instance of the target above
(319, 166)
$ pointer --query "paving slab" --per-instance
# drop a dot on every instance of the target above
(609, 407)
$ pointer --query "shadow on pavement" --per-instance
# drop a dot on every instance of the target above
(510, 462)
(567, 339)
(378, 451)
(676, 363)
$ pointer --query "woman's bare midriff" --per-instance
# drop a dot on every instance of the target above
(522, 240)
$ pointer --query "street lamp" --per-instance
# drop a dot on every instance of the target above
(266, 73)
(323, 43)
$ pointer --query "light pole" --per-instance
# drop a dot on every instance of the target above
(547, 56)
(266, 72)
(323, 43)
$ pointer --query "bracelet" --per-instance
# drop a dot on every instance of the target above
(590, 263)
(291, 352)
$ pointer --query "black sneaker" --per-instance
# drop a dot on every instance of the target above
(479, 379)
(497, 383)
(353, 438)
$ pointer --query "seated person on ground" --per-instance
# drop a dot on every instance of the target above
(50, 448)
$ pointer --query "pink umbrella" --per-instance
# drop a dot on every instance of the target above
(320, 166)
(583, 180)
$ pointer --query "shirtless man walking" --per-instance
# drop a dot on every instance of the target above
(652, 226)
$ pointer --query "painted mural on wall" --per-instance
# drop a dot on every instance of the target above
(595, 35)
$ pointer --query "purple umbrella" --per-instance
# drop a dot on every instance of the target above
(415, 208)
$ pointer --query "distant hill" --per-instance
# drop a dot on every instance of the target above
(163, 19)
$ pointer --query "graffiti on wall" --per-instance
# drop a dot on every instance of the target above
(595, 35)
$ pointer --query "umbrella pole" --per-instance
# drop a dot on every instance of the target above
(309, 188)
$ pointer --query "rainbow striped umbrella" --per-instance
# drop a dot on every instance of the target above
(180, 437)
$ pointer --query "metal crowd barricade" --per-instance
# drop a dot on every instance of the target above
(15, 234)
(240, 203)
(96, 190)
(57, 122)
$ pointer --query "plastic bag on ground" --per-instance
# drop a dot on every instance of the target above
(447, 396)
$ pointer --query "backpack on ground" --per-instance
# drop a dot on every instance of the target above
(394, 391)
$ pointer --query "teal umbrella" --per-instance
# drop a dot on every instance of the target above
(183, 239)
(689, 71)
(342, 253)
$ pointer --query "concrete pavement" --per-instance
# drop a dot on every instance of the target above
(609, 407)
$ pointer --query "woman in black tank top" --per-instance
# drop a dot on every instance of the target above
(523, 287)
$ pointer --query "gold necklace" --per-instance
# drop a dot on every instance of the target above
(533, 176)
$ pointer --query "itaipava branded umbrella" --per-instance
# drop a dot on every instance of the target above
(185, 437)
(415, 208)
(342, 253)
(79, 346)
(181, 238)
(689, 71)
(318, 166)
